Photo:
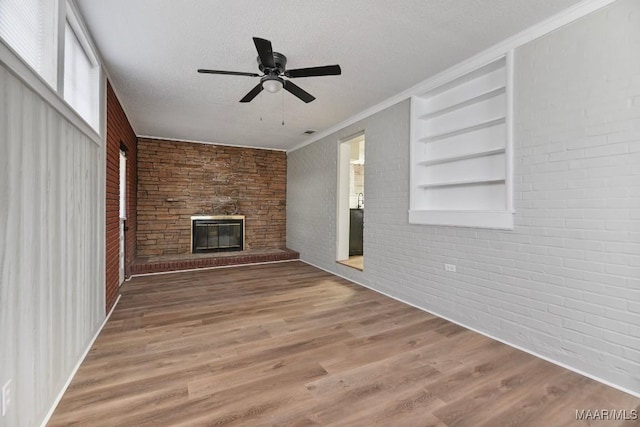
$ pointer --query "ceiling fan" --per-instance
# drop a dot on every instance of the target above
(274, 67)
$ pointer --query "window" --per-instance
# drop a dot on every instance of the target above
(123, 185)
(81, 72)
(29, 27)
(33, 31)
(461, 151)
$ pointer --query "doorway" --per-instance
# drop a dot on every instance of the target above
(351, 195)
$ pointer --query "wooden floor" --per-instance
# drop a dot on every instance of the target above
(355, 261)
(289, 345)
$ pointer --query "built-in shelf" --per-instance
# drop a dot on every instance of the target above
(466, 156)
(487, 95)
(460, 150)
(450, 134)
(468, 182)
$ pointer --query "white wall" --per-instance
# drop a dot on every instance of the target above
(565, 283)
(51, 248)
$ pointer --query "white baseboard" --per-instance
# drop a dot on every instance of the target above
(75, 369)
(510, 344)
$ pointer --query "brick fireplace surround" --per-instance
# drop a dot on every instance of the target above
(177, 180)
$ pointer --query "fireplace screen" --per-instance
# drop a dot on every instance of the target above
(217, 233)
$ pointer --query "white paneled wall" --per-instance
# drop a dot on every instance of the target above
(51, 248)
(565, 282)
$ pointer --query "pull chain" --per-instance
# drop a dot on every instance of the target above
(282, 107)
(261, 106)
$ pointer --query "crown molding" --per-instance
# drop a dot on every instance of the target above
(550, 24)
(193, 141)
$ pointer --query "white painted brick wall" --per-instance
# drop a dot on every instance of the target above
(565, 283)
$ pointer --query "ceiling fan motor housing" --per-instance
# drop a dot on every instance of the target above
(281, 64)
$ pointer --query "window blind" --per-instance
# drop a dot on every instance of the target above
(28, 26)
(80, 78)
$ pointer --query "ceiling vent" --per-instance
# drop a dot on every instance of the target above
(310, 132)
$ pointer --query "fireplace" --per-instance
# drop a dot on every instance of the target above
(219, 233)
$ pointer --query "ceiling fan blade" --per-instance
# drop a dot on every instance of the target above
(228, 73)
(327, 70)
(265, 52)
(252, 93)
(299, 92)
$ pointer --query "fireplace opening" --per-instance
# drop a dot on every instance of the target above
(217, 233)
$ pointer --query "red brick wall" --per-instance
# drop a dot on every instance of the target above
(119, 131)
(179, 179)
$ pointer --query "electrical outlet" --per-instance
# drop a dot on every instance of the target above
(6, 397)
(450, 267)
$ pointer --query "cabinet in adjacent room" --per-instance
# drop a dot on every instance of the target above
(356, 228)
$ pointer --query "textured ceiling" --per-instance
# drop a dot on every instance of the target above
(152, 49)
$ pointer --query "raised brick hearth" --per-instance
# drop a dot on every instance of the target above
(164, 263)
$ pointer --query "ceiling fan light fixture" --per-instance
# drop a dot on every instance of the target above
(272, 85)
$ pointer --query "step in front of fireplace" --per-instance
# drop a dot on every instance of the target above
(161, 264)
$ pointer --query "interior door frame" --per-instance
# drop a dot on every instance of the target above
(343, 192)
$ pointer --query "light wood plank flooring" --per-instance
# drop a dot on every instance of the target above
(355, 261)
(290, 345)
